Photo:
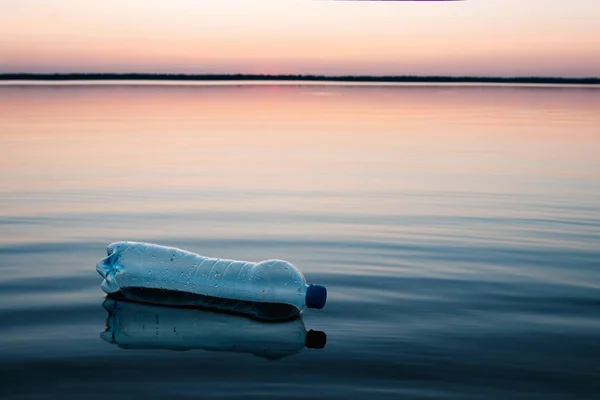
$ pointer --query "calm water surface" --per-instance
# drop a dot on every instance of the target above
(456, 228)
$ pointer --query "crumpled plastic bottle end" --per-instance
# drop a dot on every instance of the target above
(106, 269)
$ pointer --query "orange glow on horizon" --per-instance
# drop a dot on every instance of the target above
(456, 38)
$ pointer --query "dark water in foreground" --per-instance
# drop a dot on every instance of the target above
(457, 230)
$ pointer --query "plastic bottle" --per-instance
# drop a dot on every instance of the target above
(271, 289)
(140, 326)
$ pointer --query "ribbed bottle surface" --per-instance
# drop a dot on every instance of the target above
(138, 270)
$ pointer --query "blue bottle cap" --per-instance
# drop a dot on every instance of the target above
(316, 296)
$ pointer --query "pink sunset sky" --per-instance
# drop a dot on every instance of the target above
(472, 37)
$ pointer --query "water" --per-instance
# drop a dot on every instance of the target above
(457, 229)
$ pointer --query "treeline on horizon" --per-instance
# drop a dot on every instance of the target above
(323, 78)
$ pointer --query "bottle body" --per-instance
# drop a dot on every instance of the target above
(166, 275)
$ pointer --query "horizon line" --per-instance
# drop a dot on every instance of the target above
(299, 77)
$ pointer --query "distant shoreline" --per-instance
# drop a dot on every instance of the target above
(284, 78)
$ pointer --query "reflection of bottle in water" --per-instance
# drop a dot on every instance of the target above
(272, 289)
(141, 326)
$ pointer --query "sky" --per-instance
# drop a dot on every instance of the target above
(471, 37)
